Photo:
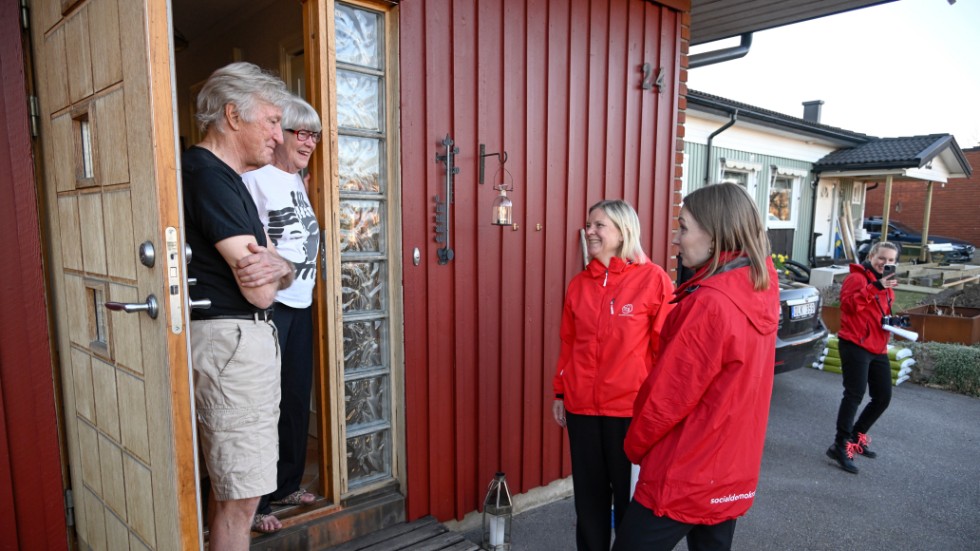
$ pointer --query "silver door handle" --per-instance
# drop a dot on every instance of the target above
(151, 306)
(202, 304)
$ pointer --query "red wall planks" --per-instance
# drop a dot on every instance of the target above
(557, 85)
(32, 514)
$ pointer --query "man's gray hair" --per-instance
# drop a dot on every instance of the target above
(242, 84)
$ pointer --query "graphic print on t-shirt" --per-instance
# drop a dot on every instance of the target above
(294, 222)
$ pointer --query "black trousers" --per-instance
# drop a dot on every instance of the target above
(644, 531)
(295, 327)
(862, 370)
(600, 476)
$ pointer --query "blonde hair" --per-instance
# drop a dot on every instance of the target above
(882, 245)
(727, 213)
(628, 223)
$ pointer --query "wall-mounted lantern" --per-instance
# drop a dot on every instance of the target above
(502, 207)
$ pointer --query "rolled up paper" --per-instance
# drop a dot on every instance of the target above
(910, 335)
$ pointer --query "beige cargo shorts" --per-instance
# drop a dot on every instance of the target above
(236, 392)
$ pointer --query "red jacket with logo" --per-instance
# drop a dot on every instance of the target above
(862, 304)
(610, 333)
(700, 418)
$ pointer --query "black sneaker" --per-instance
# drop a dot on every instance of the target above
(843, 455)
(862, 442)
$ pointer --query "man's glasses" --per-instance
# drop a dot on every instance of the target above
(303, 135)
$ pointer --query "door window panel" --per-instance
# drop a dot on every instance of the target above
(360, 166)
(369, 457)
(363, 286)
(364, 346)
(364, 255)
(361, 226)
(366, 401)
(357, 36)
(358, 100)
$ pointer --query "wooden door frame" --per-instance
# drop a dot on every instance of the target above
(32, 505)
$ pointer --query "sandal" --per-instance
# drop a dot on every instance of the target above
(299, 497)
(265, 524)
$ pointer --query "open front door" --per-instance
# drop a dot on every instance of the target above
(109, 165)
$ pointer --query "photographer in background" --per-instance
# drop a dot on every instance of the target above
(866, 305)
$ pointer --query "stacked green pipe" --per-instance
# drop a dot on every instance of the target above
(900, 358)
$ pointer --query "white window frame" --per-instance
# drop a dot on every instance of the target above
(751, 170)
(797, 177)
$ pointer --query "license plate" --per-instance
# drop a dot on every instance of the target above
(803, 311)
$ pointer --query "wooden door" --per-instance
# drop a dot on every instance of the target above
(108, 159)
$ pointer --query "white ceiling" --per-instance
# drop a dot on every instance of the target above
(717, 19)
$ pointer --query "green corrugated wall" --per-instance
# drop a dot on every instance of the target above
(694, 179)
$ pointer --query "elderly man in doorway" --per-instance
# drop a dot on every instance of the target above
(234, 346)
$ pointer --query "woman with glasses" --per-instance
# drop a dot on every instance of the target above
(280, 194)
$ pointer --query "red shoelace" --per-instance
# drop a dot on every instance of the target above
(862, 442)
(852, 448)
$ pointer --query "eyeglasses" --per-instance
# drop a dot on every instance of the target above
(303, 135)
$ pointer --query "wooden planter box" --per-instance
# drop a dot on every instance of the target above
(963, 328)
(831, 318)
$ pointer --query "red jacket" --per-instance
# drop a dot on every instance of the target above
(700, 418)
(610, 333)
(862, 306)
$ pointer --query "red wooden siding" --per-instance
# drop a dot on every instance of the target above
(32, 514)
(557, 85)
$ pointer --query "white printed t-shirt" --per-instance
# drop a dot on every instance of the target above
(285, 211)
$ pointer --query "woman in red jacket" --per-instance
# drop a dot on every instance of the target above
(865, 298)
(609, 336)
(699, 421)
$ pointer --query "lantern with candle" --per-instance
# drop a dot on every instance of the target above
(498, 510)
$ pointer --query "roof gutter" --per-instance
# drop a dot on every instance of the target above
(778, 122)
(722, 55)
(707, 155)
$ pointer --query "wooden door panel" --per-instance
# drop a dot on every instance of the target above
(110, 182)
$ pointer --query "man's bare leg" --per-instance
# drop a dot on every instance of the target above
(232, 522)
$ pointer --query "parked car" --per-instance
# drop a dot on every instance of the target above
(900, 233)
(802, 335)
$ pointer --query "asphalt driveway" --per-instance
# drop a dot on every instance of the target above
(921, 493)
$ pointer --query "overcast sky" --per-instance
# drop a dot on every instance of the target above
(904, 68)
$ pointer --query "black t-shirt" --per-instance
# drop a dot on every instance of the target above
(216, 206)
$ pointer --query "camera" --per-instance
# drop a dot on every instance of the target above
(896, 321)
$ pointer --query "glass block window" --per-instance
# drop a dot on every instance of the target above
(363, 242)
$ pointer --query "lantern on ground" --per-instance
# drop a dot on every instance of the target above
(498, 510)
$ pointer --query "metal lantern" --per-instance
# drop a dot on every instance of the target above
(498, 511)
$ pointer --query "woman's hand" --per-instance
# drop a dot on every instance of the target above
(558, 410)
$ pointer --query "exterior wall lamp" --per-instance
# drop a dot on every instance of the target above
(502, 207)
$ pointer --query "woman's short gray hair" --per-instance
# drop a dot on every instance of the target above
(242, 84)
(299, 115)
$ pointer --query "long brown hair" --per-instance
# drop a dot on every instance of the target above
(731, 218)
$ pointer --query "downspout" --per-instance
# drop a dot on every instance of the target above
(707, 155)
(722, 55)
